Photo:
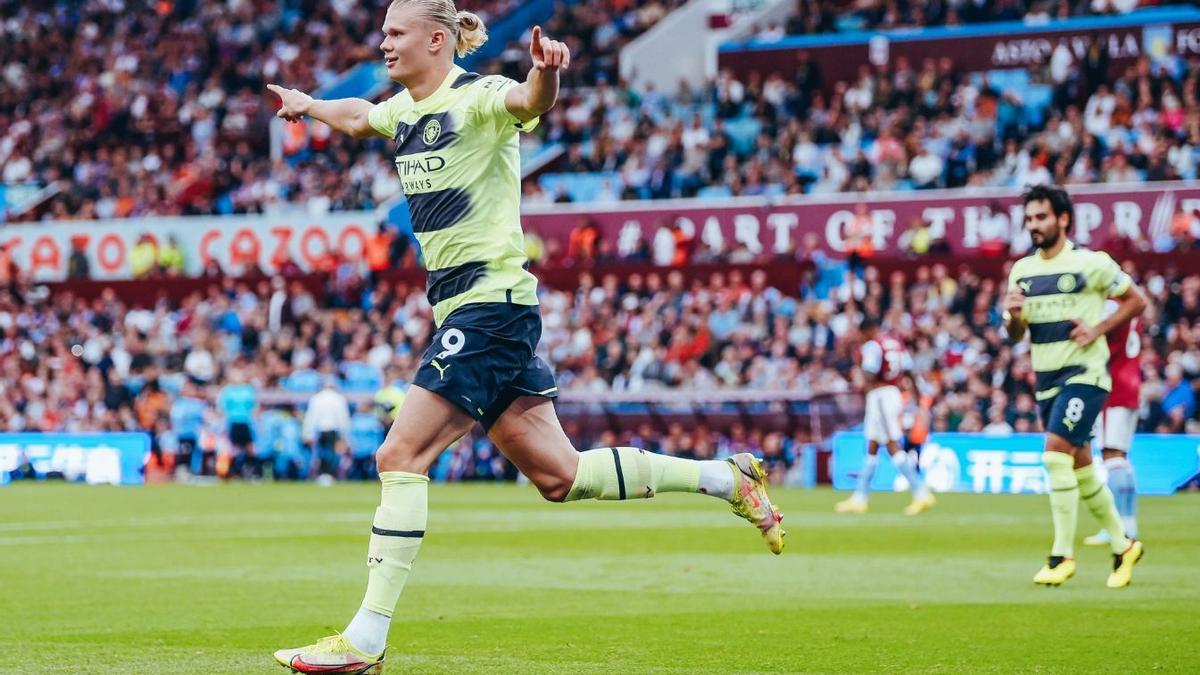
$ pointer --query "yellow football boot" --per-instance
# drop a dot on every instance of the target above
(333, 654)
(919, 504)
(1057, 570)
(851, 505)
(1123, 564)
(750, 500)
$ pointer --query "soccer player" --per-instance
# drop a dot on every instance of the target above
(455, 137)
(1118, 422)
(1057, 295)
(885, 362)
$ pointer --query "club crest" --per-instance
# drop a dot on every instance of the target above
(432, 132)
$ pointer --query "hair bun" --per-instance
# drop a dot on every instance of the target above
(471, 33)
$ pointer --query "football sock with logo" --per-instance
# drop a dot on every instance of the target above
(1064, 501)
(396, 535)
(632, 473)
(905, 466)
(865, 474)
(1124, 488)
(1099, 500)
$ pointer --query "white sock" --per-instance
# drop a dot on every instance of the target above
(716, 479)
(368, 631)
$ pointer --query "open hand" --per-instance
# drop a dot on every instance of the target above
(295, 103)
(548, 54)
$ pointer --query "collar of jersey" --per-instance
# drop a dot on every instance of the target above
(1067, 248)
(435, 99)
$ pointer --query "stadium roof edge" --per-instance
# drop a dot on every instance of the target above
(1147, 16)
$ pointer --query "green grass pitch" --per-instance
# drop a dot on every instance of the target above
(184, 579)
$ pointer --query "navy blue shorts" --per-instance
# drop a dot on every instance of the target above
(482, 359)
(1072, 414)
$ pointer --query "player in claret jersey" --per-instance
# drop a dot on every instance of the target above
(455, 139)
(885, 361)
(1118, 422)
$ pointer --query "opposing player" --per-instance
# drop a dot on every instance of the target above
(456, 152)
(1057, 295)
(884, 362)
(1118, 423)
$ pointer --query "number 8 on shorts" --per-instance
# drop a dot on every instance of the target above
(1072, 413)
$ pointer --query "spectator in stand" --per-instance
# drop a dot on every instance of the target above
(171, 258)
(378, 251)
(78, 265)
(1185, 230)
(143, 257)
(581, 246)
(1179, 402)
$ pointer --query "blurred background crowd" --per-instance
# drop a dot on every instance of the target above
(164, 112)
(251, 353)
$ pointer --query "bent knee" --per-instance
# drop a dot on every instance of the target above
(554, 488)
(1056, 443)
(395, 455)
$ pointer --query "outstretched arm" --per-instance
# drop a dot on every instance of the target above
(347, 115)
(539, 91)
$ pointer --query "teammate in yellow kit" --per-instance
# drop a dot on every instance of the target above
(1057, 295)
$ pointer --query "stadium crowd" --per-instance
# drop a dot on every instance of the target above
(163, 112)
(160, 109)
(201, 373)
(815, 17)
(908, 126)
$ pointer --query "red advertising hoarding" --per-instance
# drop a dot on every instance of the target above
(966, 219)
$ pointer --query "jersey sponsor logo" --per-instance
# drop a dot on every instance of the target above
(414, 173)
(428, 164)
(433, 130)
(1049, 308)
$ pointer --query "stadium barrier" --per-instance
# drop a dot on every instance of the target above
(592, 413)
(99, 458)
(959, 462)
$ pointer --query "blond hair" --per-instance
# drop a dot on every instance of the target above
(467, 28)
